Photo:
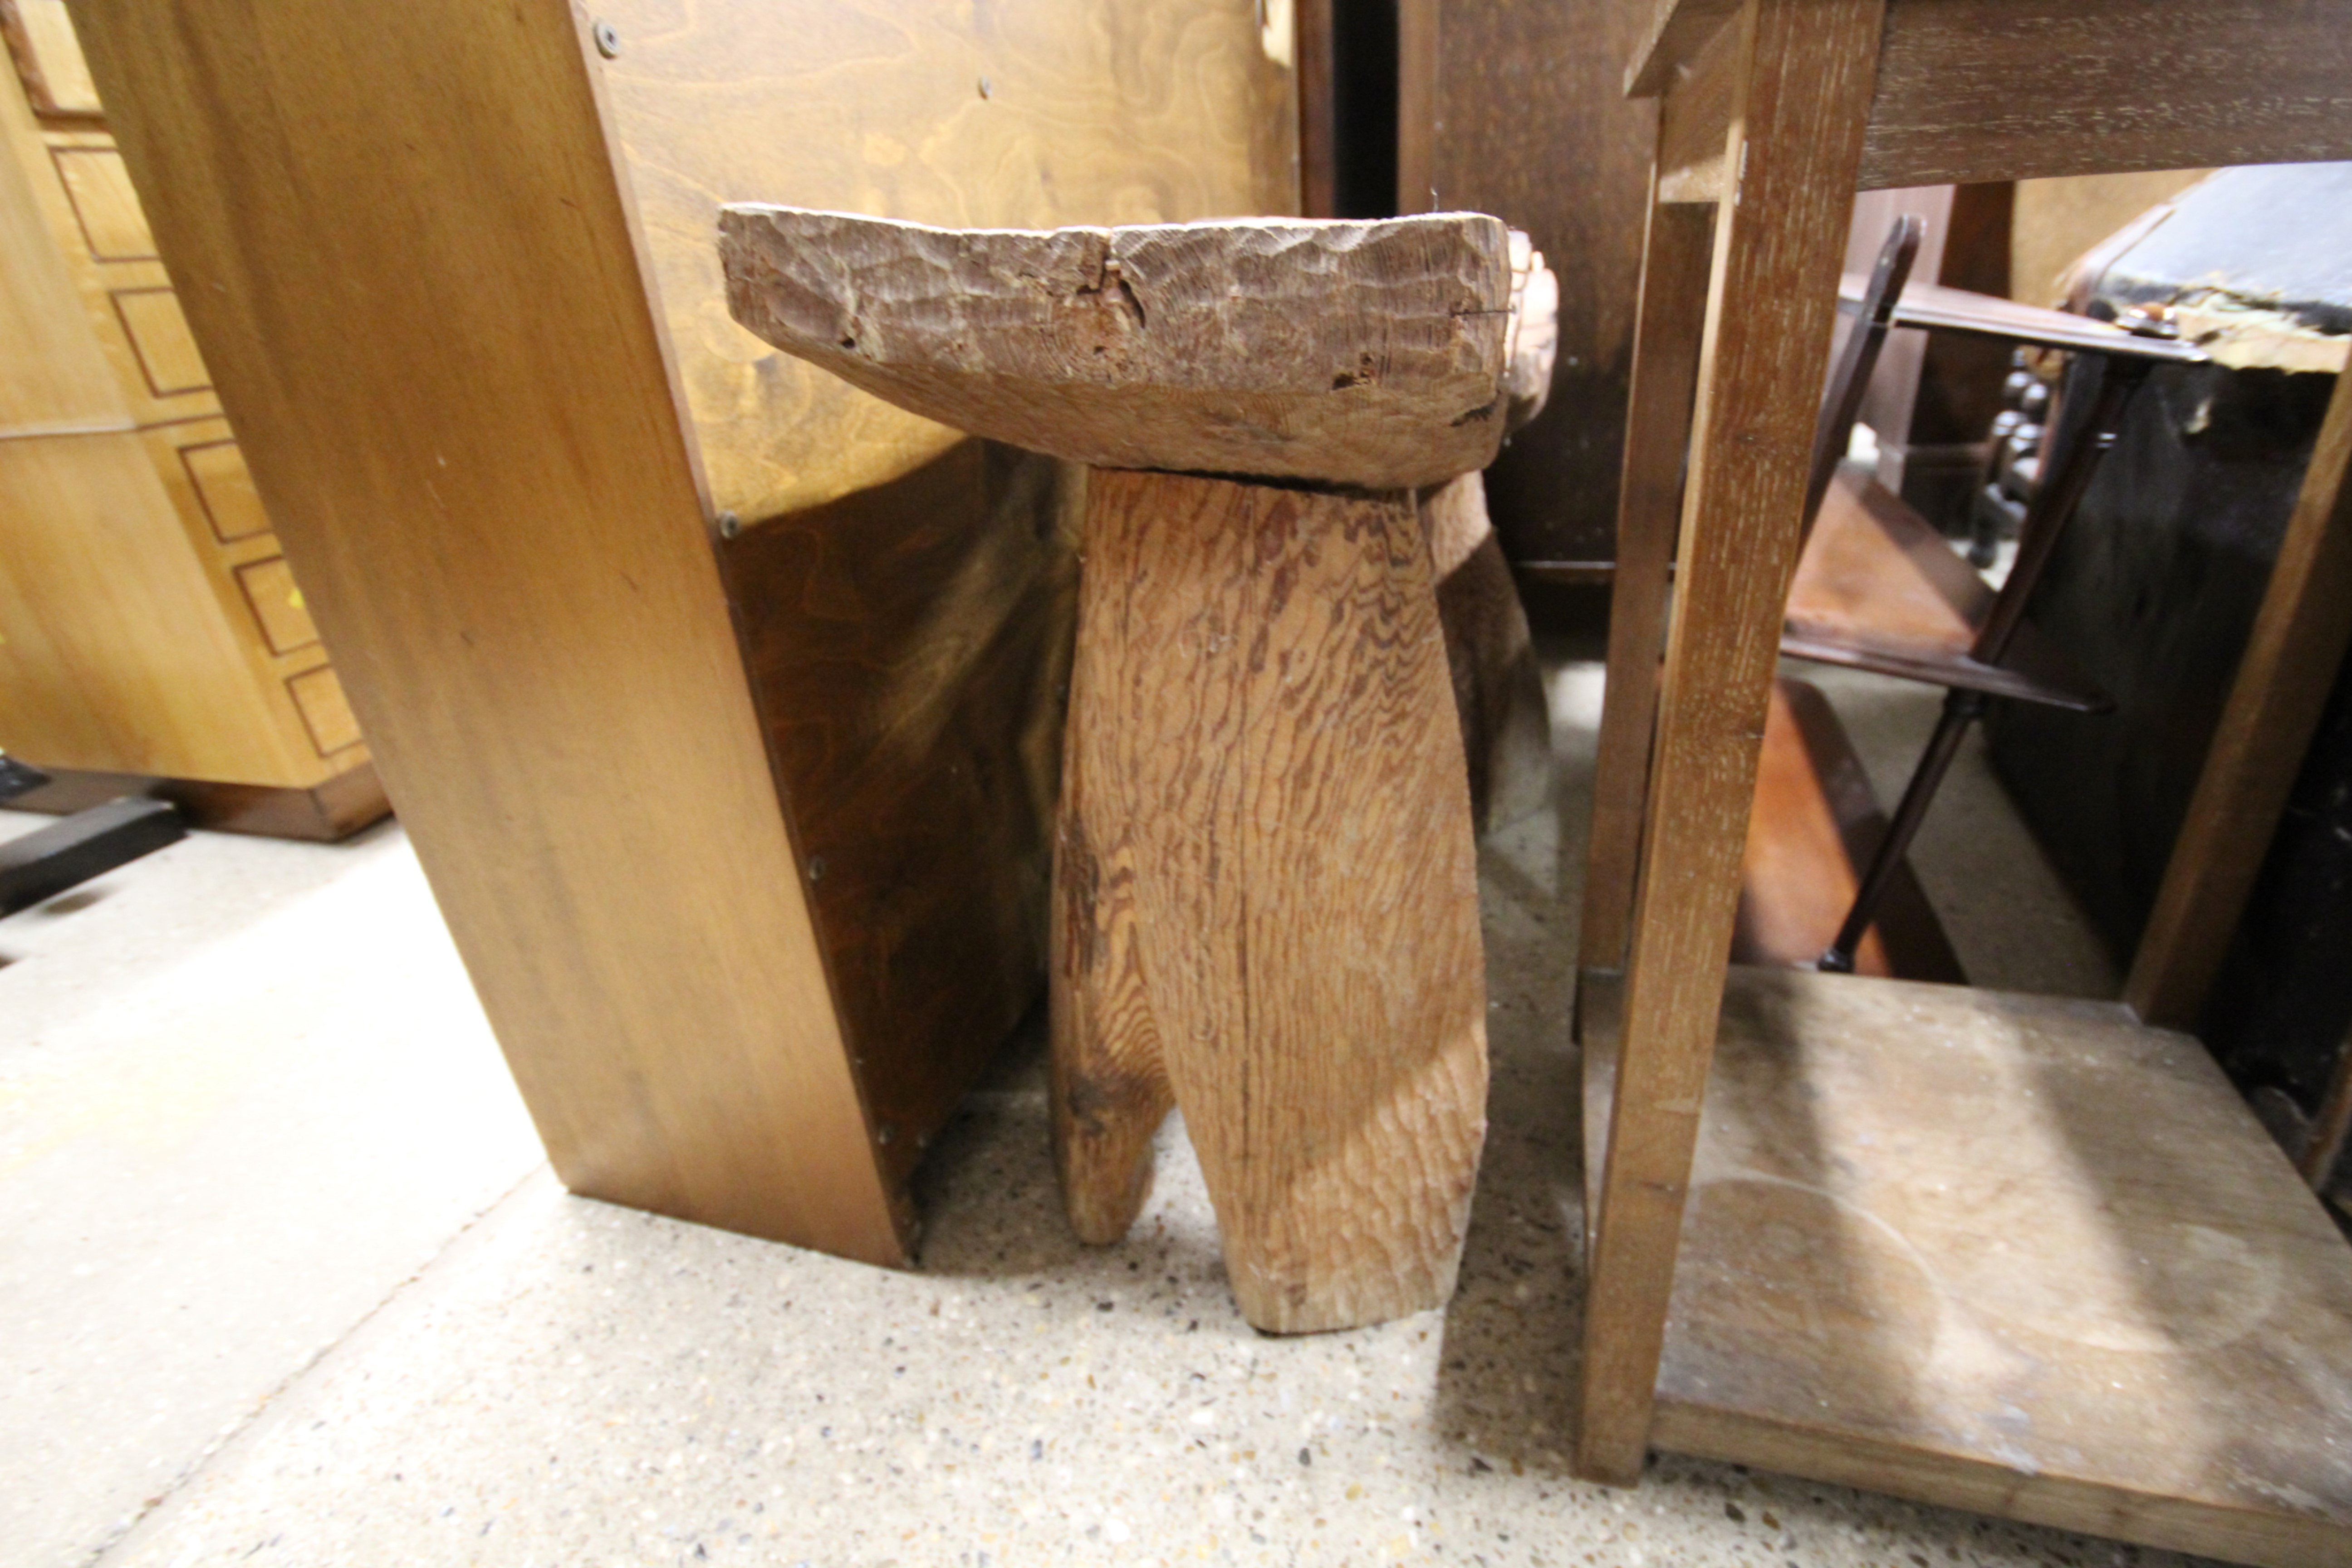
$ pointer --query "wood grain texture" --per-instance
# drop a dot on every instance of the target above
(126, 647)
(1499, 693)
(1048, 113)
(1271, 780)
(449, 382)
(1694, 117)
(1971, 90)
(2014, 1253)
(1531, 126)
(1676, 32)
(1674, 266)
(1111, 1086)
(908, 647)
(129, 308)
(1420, 68)
(1804, 83)
(49, 58)
(1360, 354)
(1811, 836)
(2283, 678)
(1319, 110)
(53, 377)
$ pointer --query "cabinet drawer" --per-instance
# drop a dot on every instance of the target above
(276, 604)
(319, 696)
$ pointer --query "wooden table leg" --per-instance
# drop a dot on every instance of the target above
(1658, 436)
(1269, 898)
(1802, 85)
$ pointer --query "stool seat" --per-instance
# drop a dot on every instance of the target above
(1371, 354)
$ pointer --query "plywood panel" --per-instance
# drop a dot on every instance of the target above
(2010, 1253)
(909, 648)
(1053, 113)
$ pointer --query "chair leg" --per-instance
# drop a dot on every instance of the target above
(1674, 260)
(1263, 702)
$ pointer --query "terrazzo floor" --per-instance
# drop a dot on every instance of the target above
(398, 1341)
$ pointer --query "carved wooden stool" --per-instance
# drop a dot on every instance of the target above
(1265, 906)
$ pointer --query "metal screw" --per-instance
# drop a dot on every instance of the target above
(729, 525)
(884, 1133)
(816, 868)
(608, 42)
(983, 87)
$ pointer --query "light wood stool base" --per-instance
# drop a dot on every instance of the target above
(1266, 893)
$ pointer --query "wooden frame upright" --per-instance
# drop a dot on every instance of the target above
(1726, 1107)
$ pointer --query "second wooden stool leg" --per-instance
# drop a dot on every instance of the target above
(1264, 725)
(1110, 1081)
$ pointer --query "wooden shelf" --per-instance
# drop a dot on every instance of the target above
(1877, 588)
(1815, 824)
(1934, 307)
(2016, 1254)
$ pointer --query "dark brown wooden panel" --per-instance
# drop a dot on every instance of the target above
(1533, 126)
(909, 646)
(2012, 89)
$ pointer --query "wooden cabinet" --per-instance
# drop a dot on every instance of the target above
(722, 702)
(149, 624)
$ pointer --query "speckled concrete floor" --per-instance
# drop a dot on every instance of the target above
(568, 1382)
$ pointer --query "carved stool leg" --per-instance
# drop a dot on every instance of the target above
(1110, 1085)
(1267, 732)
(1498, 687)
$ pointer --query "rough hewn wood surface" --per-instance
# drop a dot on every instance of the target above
(1357, 353)
(1497, 690)
(1266, 896)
